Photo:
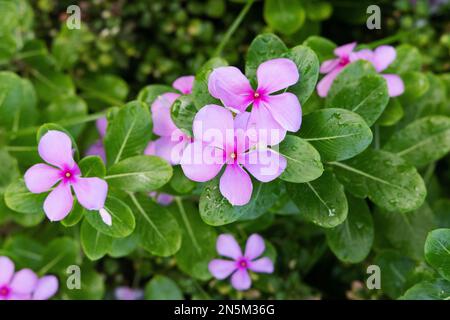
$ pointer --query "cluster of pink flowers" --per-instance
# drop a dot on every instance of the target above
(24, 284)
(380, 58)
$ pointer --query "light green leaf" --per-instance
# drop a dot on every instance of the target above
(18, 198)
(438, 289)
(285, 16)
(149, 93)
(321, 46)
(94, 243)
(104, 90)
(437, 251)
(183, 111)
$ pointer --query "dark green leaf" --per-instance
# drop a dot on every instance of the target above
(162, 288)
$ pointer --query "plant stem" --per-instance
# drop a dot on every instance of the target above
(233, 28)
(388, 40)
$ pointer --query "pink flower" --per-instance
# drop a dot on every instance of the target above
(24, 284)
(228, 247)
(220, 140)
(172, 140)
(271, 112)
(98, 149)
(55, 148)
(163, 199)
(333, 67)
(381, 58)
(126, 293)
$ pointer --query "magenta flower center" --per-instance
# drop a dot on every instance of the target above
(69, 175)
(242, 263)
(5, 291)
(345, 60)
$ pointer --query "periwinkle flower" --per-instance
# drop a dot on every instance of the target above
(271, 111)
(127, 293)
(55, 148)
(240, 264)
(98, 149)
(24, 284)
(163, 199)
(220, 140)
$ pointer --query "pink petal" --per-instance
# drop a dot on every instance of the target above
(24, 282)
(345, 49)
(59, 202)
(286, 110)
(6, 270)
(230, 86)
(329, 65)
(184, 84)
(46, 288)
(262, 127)
(150, 150)
(91, 192)
(227, 246)
(97, 149)
(245, 139)
(41, 177)
(106, 217)
(162, 122)
(101, 124)
(265, 165)
(125, 293)
(254, 247)
(55, 147)
(324, 85)
(162, 198)
(241, 280)
(236, 185)
(221, 269)
(276, 74)
(201, 162)
(383, 57)
(364, 54)
(170, 148)
(214, 125)
(395, 84)
(264, 265)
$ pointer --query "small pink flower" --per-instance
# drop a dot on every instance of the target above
(381, 58)
(221, 140)
(55, 148)
(163, 199)
(270, 112)
(184, 84)
(24, 284)
(333, 67)
(126, 293)
(228, 247)
(98, 149)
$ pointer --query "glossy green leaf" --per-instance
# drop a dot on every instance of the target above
(285, 16)
(104, 90)
(183, 111)
(438, 289)
(95, 244)
(162, 288)
(322, 47)
(437, 251)
(149, 93)
(18, 198)
(392, 114)
(59, 254)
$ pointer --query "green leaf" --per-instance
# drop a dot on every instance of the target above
(128, 133)
(10, 17)
(264, 47)
(422, 141)
(149, 93)
(95, 244)
(68, 45)
(24, 251)
(162, 288)
(322, 47)
(9, 170)
(183, 111)
(74, 216)
(322, 201)
(65, 108)
(438, 289)
(180, 183)
(416, 84)
(122, 247)
(395, 269)
(158, 231)
(104, 90)
(352, 240)
(308, 68)
(123, 222)
(92, 166)
(139, 174)
(337, 134)
(408, 59)
(303, 161)
(198, 247)
(59, 254)
(318, 10)
(18, 198)
(437, 251)
(392, 114)
(50, 84)
(441, 209)
(200, 90)
(406, 231)
(359, 89)
(285, 16)
(385, 178)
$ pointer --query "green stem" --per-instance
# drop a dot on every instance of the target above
(233, 28)
(388, 40)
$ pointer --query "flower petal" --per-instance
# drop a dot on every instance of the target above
(125, 293)
(55, 147)
(24, 282)
(184, 84)
(324, 85)
(254, 247)
(263, 128)
(345, 49)
(265, 165)
(46, 288)
(363, 54)
(276, 74)
(150, 150)
(286, 110)
(162, 121)
(329, 65)
(383, 56)
(171, 148)
(41, 177)
(214, 125)
(106, 217)
(101, 125)
(395, 84)
(236, 185)
(227, 246)
(97, 149)
(229, 85)
(221, 269)
(59, 202)
(264, 265)
(240, 280)
(6, 270)
(201, 162)
(91, 192)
